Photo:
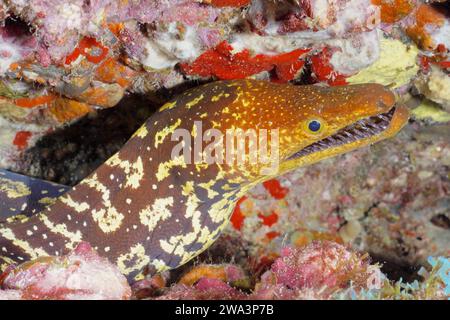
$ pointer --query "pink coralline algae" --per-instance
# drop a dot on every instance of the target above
(81, 274)
(320, 268)
(317, 270)
(204, 289)
(62, 61)
(334, 17)
(204, 281)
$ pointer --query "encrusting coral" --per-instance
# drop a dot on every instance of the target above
(65, 61)
(319, 270)
(62, 62)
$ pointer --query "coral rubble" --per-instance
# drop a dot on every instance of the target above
(82, 274)
(328, 231)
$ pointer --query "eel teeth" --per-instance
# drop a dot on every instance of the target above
(361, 129)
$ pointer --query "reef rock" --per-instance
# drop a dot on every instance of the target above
(81, 274)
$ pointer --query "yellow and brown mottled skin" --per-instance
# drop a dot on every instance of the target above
(143, 208)
(24, 196)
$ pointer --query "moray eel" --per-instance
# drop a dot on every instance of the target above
(149, 210)
(24, 196)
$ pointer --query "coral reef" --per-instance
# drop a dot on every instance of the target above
(61, 62)
(382, 199)
(82, 274)
(318, 270)
(435, 86)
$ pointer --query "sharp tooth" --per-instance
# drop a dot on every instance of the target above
(364, 126)
(359, 134)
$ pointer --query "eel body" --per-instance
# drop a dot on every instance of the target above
(24, 196)
(148, 209)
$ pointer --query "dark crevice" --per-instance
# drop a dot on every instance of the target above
(396, 271)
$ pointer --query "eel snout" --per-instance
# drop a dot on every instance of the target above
(381, 118)
(394, 114)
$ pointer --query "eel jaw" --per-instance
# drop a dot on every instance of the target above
(360, 133)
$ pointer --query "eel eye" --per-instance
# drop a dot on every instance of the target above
(314, 126)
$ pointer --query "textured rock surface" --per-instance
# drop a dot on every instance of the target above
(318, 270)
(60, 63)
(80, 275)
